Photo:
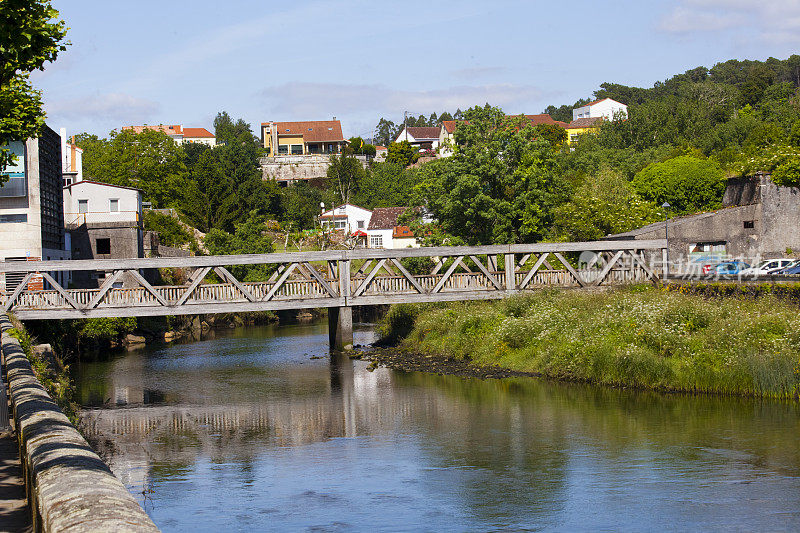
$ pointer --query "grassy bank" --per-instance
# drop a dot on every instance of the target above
(639, 337)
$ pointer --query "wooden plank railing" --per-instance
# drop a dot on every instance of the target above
(326, 279)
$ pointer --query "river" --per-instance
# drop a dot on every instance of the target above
(257, 429)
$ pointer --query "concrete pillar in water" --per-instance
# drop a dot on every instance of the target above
(340, 328)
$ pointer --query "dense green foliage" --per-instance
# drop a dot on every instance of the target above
(687, 183)
(32, 35)
(644, 338)
(247, 238)
(169, 229)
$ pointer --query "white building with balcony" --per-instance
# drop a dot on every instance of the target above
(606, 108)
(347, 217)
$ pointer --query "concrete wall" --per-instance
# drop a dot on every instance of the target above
(300, 167)
(126, 242)
(69, 487)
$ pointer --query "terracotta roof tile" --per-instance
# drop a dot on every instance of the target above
(197, 132)
(311, 130)
(402, 232)
(174, 129)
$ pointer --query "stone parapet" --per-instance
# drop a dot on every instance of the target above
(69, 487)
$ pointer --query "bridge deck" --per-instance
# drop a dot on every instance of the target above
(326, 279)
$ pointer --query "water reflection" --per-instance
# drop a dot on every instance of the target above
(251, 431)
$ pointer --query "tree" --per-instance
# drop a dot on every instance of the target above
(687, 183)
(386, 131)
(248, 238)
(150, 161)
(346, 173)
(401, 153)
(32, 35)
(603, 204)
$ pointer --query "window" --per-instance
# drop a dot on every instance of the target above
(360, 224)
(376, 241)
(113, 205)
(83, 206)
(283, 149)
(10, 219)
(749, 224)
(103, 246)
(340, 224)
(297, 149)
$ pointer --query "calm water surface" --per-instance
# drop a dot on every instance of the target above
(250, 431)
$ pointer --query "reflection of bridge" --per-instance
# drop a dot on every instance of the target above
(336, 279)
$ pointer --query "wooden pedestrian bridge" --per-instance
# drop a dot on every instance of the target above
(335, 279)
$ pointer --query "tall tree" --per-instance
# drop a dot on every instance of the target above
(32, 35)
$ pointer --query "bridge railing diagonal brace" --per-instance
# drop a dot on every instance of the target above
(364, 284)
(604, 273)
(198, 278)
(447, 274)
(60, 290)
(278, 284)
(406, 274)
(486, 272)
(104, 288)
(536, 266)
(571, 270)
(149, 288)
(18, 291)
(321, 280)
(225, 274)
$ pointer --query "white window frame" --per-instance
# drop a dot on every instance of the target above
(112, 203)
(376, 241)
(83, 206)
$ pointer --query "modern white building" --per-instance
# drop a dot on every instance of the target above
(31, 210)
(347, 217)
(89, 201)
(606, 108)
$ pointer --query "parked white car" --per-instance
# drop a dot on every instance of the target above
(766, 267)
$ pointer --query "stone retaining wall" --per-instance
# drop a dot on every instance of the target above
(69, 487)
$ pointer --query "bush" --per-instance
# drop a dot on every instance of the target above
(170, 231)
(687, 183)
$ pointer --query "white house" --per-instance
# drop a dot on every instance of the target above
(89, 201)
(347, 217)
(605, 108)
(199, 135)
(425, 138)
(383, 231)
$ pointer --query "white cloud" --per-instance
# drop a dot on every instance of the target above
(765, 20)
(103, 108)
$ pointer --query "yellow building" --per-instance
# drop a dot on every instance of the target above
(580, 126)
(302, 138)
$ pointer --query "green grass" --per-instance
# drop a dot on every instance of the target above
(640, 337)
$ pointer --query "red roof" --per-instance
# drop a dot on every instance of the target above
(197, 132)
(588, 122)
(595, 102)
(174, 129)
(402, 232)
(311, 130)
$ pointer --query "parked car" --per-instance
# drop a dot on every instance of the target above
(792, 268)
(766, 267)
(729, 268)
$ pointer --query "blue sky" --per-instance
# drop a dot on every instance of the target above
(177, 62)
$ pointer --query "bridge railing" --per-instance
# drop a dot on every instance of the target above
(333, 278)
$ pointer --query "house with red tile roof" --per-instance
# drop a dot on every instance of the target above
(426, 138)
(310, 137)
(178, 133)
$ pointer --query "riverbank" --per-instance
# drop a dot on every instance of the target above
(637, 337)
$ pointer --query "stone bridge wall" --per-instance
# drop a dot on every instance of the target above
(69, 487)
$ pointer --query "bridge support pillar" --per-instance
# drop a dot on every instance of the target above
(340, 328)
